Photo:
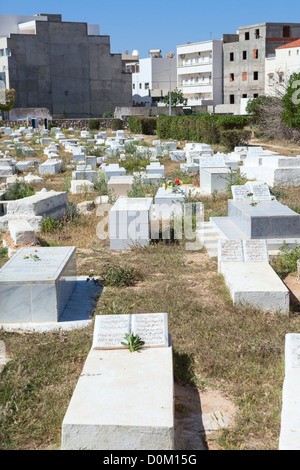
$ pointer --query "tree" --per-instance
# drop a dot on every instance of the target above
(7, 99)
(255, 107)
(291, 102)
(177, 98)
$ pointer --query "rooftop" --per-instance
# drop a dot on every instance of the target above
(295, 43)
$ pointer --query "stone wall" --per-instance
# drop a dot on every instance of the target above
(76, 124)
(126, 111)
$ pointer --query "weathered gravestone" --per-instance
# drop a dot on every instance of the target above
(124, 400)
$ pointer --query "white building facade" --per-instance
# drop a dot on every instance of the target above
(200, 72)
(153, 81)
(280, 67)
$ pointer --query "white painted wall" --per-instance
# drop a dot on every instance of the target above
(286, 61)
(199, 72)
(155, 72)
(10, 23)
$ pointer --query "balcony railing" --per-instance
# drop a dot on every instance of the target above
(191, 63)
(205, 83)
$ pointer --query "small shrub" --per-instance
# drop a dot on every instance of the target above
(138, 189)
(18, 190)
(72, 215)
(142, 125)
(117, 124)
(286, 262)
(48, 224)
(120, 276)
(108, 115)
(3, 252)
(94, 124)
(234, 178)
(232, 122)
(235, 138)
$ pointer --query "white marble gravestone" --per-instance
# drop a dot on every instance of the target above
(124, 400)
(151, 328)
(36, 284)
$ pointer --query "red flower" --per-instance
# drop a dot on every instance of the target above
(177, 181)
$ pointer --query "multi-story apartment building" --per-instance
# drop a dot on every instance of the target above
(244, 57)
(199, 72)
(61, 65)
(280, 68)
(153, 81)
(130, 63)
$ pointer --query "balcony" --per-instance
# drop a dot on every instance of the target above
(191, 63)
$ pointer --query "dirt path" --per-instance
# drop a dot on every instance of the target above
(274, 146)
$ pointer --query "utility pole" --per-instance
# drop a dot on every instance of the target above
(170, 55)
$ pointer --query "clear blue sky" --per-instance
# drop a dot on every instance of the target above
(161, 24)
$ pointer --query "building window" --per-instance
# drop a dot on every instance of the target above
(244, 76)
(231, 77)
(286, 32)
(140, 86)
(2, 52)
(255, 54)
(244, 55)
(245, 95)
(8, 52)
(257, 34)
(247, 36)
(271, 78)
(133, 86)
(231, 56)
(255, 75)
(255, 95)
(146, 86)
(280, 77)
(231, 99)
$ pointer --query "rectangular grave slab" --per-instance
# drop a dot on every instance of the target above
(155, 169)
(264, 219)
(169, 203)
(129, 222)
(33, 208)
(90, 175)
(111, 170)
(108, 411)
(120, 185)
(50, 167)
(216, 161)
(21, 232)
(36, 284)
(213, 179)
(177, 155)
(81, 186)
(257, 285)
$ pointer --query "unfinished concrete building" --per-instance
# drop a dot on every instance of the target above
(244, 57)
(66, 67)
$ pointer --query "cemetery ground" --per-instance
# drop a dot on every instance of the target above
(226, 357)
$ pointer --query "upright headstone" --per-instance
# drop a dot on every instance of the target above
(255, 250)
